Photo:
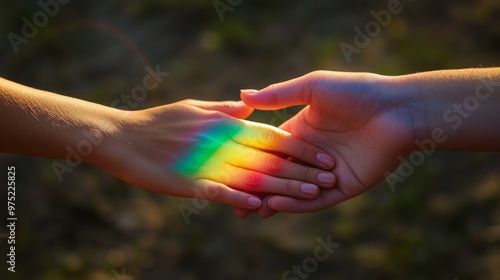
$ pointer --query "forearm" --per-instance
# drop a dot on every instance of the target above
(39, 123)
(456, 109)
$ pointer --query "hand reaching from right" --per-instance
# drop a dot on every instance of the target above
(367, 122)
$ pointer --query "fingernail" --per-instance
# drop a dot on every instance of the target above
(269, 202)
(253, 201)
(326, 178)
(325, 159)
(308, 189)
(249, 91)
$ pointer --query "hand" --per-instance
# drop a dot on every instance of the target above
(360, 119)
(196, 149)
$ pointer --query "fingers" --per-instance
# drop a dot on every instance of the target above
(236, 109)
(217, 192)
(273, 165)
(280, 95)
(264, 211)
(253, 181)
(266, 137)
(325, 200)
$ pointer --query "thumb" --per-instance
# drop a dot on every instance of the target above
(281, 95)
(236, 109)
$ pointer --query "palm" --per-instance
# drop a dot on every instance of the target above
(364, 140)
(347, 117)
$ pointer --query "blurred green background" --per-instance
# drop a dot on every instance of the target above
(443, 222)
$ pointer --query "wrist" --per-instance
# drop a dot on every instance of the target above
(406, 104)
(103, 135)
(412, 106)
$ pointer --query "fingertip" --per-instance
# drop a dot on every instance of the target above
(248, 91)
(246, 96)
(253, 202)
(309, 190)
(326, 178)
(325, 160)
(258, 99)
(270, 202)
(221, 193)
(330, 185)
(264, 211)
(277, 96)
(276, 203)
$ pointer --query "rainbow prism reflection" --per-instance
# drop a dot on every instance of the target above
(211, 140)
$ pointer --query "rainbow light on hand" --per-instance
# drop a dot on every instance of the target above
(210, 143)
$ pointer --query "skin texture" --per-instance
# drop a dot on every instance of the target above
(146, 148)
(366, 121)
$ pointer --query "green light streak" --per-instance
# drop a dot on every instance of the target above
(210, 141)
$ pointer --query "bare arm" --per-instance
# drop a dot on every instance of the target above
(369, 122)
(462, 105)
(187, 149)
(40, 123)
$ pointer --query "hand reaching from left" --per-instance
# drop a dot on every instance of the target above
(196, 149)
(188, 149)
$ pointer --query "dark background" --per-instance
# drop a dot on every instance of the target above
(443, 222)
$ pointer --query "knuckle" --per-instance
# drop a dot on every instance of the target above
(274, 164)
(289, 186)
(188, 101)
(271, 137)
(275, 97)
(222, 175)
(306, 151)
(218, 117)
(309, 174)
(317, 75)
(227, 125)
(310, 83)
(227, 104)
(254, 179)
